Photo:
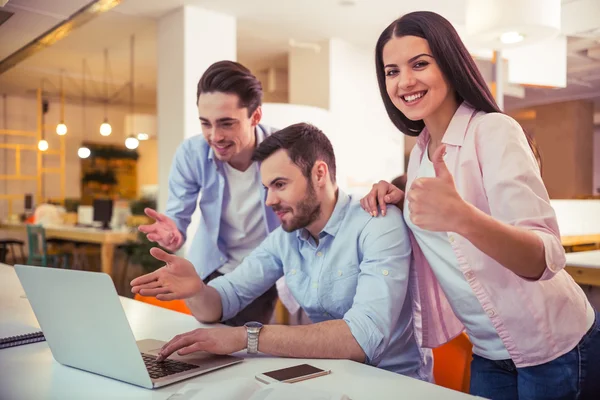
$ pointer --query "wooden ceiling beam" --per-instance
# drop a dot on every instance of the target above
(58, 32)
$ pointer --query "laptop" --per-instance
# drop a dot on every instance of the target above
(85, 326)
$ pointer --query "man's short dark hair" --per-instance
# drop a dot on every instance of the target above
(304, 143)
(233, 78)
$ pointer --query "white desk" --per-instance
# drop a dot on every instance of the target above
(30, 372)
(585, 259)
(584, 267)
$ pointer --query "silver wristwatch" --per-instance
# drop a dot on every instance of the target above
(253, 330)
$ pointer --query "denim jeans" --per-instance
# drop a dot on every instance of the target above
(574, 375)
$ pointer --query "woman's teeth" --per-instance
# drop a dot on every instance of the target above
(413, 97)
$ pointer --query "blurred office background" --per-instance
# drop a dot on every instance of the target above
(96, 96)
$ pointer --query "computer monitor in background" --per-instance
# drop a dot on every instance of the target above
(103, 209)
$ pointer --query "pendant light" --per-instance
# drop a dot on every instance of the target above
(83, 151)
(502, 24)
(61, 128)
(131, 142)
(43, 143)
(105, 128)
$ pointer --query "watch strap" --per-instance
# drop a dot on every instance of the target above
(253, 341)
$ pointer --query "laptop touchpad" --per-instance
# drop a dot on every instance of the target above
(150, 346)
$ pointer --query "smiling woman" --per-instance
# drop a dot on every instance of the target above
(405, 57)
(487, 250)
(415, 83)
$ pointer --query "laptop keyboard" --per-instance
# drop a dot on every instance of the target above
(166, 367)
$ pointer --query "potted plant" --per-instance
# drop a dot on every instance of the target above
(107, 177)
(71, 206)
(138, 217)
(139, 253)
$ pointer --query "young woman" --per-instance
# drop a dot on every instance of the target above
(488, 256)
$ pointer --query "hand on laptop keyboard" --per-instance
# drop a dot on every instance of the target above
(159, 369)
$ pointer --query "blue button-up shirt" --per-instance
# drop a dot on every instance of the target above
(196, 171)
(357, 272)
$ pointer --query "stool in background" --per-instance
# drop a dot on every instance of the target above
(6, 244)
(125, 251)
(82, 253)
(3, 253)
(40, 254)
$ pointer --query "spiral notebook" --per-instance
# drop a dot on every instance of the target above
(20, 340)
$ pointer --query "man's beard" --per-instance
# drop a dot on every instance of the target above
(307, 211)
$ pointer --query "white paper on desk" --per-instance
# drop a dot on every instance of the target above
(250, 389)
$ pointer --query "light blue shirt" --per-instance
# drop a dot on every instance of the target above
(444, 264)
(196, 170)
(357, 272)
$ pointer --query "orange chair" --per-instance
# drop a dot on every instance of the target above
(175, 305)
(452, 363)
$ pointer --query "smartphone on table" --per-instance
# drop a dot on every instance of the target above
(292, 374)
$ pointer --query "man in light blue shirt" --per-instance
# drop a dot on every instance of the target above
(215, 171)
(349, 271)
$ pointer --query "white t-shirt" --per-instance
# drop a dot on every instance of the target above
(438, 252)
(242, 224)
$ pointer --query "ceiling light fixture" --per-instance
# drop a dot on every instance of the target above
(502, 24)
(43, 143)
(61, 128)
(84, 151)
(511, 37)
(143, 136)
(105, 128)
(132, 142)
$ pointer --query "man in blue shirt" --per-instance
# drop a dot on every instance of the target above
(218, 167)
(349, 271)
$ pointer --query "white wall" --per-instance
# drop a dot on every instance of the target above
(309, 74)
(190, 39)
(147, 165)
(21, 115)
(280, 115)
(341, 78)
(273, 73)
(577, 217)
(368, 146)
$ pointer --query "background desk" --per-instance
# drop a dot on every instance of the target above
(107, 239)
(580, 242)
(30, 372)
(584, 267)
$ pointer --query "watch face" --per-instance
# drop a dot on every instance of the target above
(253, 324)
